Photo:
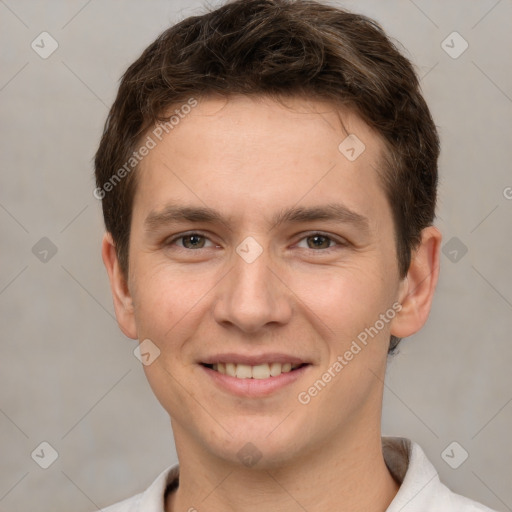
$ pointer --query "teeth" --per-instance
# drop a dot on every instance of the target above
(243, 371)
(259, 371)
(231, 369)
(275, 369)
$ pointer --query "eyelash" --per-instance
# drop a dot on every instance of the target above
(338, 243)
(184, 235)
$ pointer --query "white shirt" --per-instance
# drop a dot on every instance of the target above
(420, 487)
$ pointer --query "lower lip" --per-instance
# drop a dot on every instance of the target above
(254, 387)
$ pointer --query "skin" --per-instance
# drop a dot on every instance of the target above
(250, 158)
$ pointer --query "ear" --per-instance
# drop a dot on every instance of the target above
(123, 303)
(417, 288)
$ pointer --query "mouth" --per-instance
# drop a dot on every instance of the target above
(257, 372)
(254, 375)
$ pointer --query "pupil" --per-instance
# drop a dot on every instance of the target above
(319, 241)
(193, 240)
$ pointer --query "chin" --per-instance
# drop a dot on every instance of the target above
(267, 445)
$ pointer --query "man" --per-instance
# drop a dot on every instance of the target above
(268, 176)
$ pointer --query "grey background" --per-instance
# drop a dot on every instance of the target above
(69, 377)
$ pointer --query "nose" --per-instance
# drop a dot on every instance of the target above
(252, 296)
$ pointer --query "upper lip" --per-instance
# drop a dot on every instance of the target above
(253, 360)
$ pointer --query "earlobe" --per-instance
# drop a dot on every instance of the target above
(121, 296)
(417, 288)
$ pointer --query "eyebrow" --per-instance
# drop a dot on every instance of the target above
(174, 213)
(331, 212)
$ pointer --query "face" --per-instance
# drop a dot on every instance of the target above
(260, 256)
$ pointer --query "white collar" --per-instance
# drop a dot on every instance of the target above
(420, 489)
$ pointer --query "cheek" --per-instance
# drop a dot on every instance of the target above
(152, 298)
(346, 298)
(170, 304)
(168, 308)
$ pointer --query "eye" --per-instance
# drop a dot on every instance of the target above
(191, 241)
(318, 241)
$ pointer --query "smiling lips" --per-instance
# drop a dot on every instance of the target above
(259, 371)
(254, 375)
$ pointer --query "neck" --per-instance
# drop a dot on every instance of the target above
(347, 475)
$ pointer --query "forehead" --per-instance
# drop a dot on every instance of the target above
(245, 153)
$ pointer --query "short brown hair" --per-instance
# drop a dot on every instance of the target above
(279, 48)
